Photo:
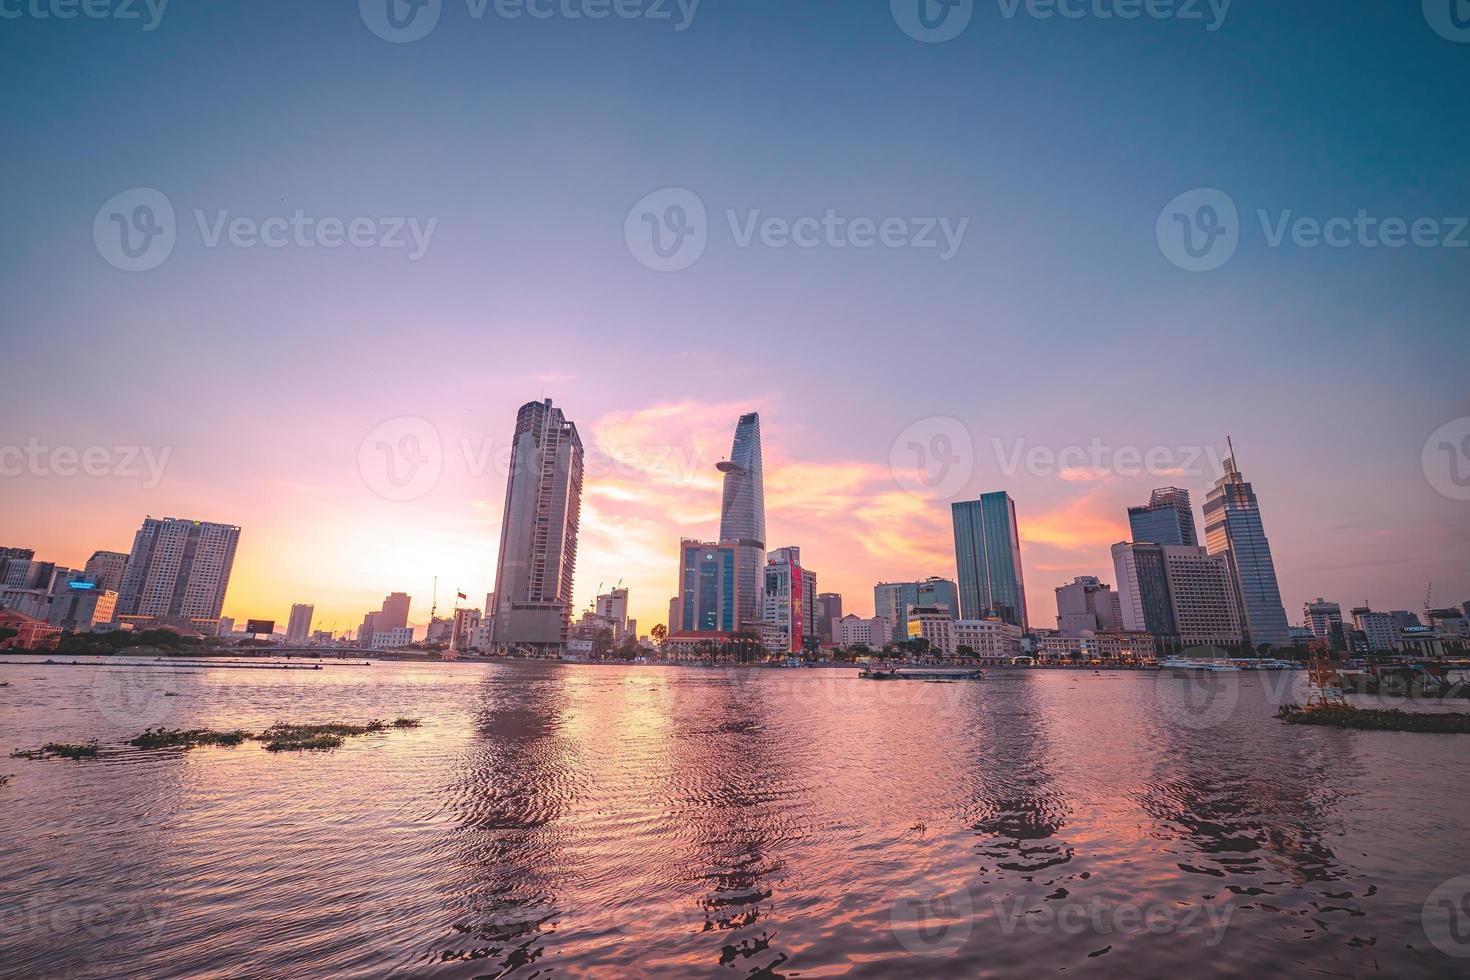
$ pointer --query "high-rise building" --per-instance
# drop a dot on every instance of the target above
(368, 628)
(789, 598)
(1086, 605)
(298, 627)
(709, 588)
(13, 554)
(829, 609)
(1320, 616)
(106, 569)
(394, 614)
(1180, 595)
(1378, 629)
(891, 600)
(743, 514)
(27, 573)
(987, 546)
(538, 532)
(1167, 518)
(81, 607)
(1233, 529)
(461, 634)
(179, 569)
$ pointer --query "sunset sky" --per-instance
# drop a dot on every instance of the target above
(1059, 322)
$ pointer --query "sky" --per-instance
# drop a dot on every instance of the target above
(503, 177)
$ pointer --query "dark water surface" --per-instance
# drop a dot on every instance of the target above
(566, 820)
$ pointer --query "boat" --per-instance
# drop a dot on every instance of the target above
(1179, 663)
(876, 673)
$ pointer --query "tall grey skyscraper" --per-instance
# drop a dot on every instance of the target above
(178, 569)
(1233, 528)
(298, 627)
(538, 533)
(1168, 518)
(743, 515)
(987, 549)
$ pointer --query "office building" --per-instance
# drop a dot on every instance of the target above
(298, 627)
(987, 547)
(367, 629)
(1321, 616)
(394, 614)
(538, 533)
(1086, 605)
(393, 638)
(892, 600)
(853, 630)
(829, 610)
(934, 624)
(179, 570)
(1168, 518)
(789, 598)
(1233, 529)
(81, 607)
(709, 588)
(462, 632)
(1378, 629)
(986, 639)
(1180, 595)
(106, 569)
(743, 514)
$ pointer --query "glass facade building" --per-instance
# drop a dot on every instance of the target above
(743, 514)
(892, 600)
(1233, 528)
(987, 546)
(1168, 518)
(708, 589)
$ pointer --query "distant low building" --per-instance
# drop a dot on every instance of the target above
(395, 638)
(31, 633)
(1114, 646)
(853, 630)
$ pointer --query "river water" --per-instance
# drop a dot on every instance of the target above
(565, 820)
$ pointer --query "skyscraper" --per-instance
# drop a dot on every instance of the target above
(709, 588)
(743, 515)
(1233, 529)
(987, 546)
(789, 598)
(538, 532)
(1167, 518)
(1320, 616)
(829, 609)
(1180, 595)
(394, 614)
(298, 627)
(178, 569)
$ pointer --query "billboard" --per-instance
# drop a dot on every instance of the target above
(255, 627)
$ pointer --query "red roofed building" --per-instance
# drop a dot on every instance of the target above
(32, 633)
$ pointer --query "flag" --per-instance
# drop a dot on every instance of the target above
(463, 596)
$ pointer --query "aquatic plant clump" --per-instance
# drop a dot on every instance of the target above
(163, 738)
(59, 750)
(303, 743)
(1377, 719)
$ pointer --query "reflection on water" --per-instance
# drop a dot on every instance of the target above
(651, 821)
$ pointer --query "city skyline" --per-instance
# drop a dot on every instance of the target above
(1061, 537)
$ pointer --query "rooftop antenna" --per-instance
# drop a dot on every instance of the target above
(434, 609)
